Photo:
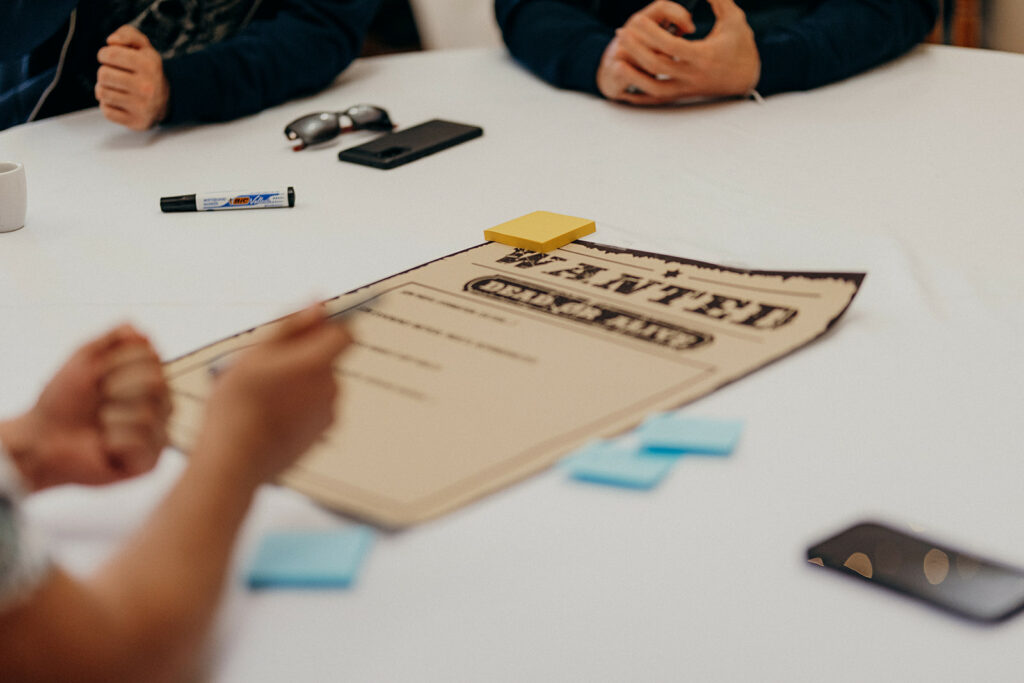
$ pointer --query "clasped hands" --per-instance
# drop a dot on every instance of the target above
(100, 419)
(103, 416)
(130, 84)
(649, 62)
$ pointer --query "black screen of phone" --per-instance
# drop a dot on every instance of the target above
(959, 582)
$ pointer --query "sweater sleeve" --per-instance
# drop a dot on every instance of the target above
(24, 563)
(838, 39)
(297, 51)
(560, 42)
(24, 24)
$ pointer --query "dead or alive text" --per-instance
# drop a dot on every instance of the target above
(747, 312)
(578, 309)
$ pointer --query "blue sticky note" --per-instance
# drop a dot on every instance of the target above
(673, 434)
(581, 452)
(618, 464)
(310, 559)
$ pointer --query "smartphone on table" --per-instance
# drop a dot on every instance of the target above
(959, 582)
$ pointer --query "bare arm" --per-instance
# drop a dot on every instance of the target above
(143, 615)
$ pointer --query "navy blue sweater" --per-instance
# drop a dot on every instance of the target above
(802, 43)
(290, 48)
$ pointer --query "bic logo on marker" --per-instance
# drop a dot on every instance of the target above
(239, 201)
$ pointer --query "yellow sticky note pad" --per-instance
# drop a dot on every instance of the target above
(540, 231)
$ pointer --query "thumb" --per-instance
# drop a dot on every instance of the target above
(327, 343)
(300, 323)
(128, 36)
(104, 343)
(725, 10)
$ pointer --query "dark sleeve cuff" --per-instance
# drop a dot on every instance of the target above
(838, 39)
(783, 65)
(581, 70)
(559, 41)
(181, 108)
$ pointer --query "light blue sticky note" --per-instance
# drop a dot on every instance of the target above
(618, 464)
(310, 559)
(673, 434)
(569, 458)
(626, 441)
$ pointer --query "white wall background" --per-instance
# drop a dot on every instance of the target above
(456, 23)
(1003, 22)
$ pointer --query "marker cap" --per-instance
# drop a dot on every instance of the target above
(181, 202)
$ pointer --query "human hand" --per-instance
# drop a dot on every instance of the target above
(130, 84)
(649, 63)
(102, 417)
(275, 401)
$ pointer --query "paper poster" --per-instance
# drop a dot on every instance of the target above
(473, 371)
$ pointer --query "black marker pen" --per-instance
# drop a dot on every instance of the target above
(217, 201)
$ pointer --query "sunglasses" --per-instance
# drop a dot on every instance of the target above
(313, 129)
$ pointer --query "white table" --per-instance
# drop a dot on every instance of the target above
(908, 411)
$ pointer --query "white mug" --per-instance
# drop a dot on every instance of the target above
(13, 196)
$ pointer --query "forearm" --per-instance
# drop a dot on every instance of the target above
(145, 613)
(839, 39)
(271, 61)
(560, 42)
(167, 581)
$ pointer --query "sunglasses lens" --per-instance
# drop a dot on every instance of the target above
(368, 117)
(314, 128)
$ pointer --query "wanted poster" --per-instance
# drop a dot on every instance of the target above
(473, 371)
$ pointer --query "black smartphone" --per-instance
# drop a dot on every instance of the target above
(958, 582)
(401, 147)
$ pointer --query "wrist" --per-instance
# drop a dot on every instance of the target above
(160, 102)
(165, 98)
(223, 459)
(19, 440)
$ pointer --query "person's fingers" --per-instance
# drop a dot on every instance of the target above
(138, 380)
(647, 31)
(115, 79)
(119, 57)
(106, 341)
(117, 115)
(133, 435)
(85, 368)
(726, 10)
(633, 95)
(618, 76)
(666, 12)
(309, 338)
(675, 48)
(131, 352)
(132, 431)
(130, 452)
(326, 343)
(638, 87)
(129, 36)
(299, 323)
(162, 402)
(116, 98)
(638, 53)
(117, 414)
(660, 90)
